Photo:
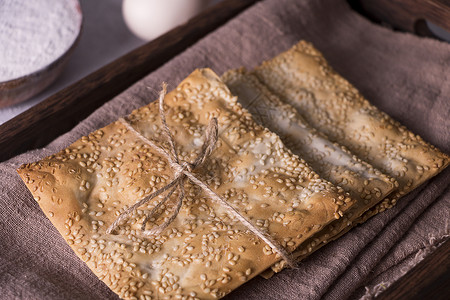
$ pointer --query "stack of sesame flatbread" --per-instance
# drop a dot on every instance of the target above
(300, 154)
(348, 141)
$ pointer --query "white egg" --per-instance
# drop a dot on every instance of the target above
(149, 19)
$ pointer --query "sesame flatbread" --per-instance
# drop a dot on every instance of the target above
(205, 252)
(303, 78)
(331, 161)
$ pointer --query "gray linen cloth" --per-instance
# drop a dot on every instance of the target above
(404, 75)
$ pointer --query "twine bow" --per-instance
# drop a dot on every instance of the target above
(184, 170)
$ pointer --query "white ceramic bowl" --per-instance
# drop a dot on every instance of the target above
(15, 90)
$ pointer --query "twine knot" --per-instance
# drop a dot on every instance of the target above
(187, 166)
(183, 170)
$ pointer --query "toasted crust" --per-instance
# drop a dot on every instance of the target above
(204, 253)
(303, 78)
(332, 161)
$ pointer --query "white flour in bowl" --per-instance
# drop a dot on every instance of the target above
(35, 33)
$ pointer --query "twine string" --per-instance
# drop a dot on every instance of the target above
(182, 171)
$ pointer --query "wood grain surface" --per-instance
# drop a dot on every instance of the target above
(407, 15)
(430, 279)
(59, 113)
(38, 126)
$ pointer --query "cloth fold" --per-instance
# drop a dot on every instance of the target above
(403, 75)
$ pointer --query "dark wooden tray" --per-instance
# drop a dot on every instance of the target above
(59, 113)
(407, 15)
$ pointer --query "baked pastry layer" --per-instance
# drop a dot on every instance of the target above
(204, 253)
(331, 161)
(303, 78)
